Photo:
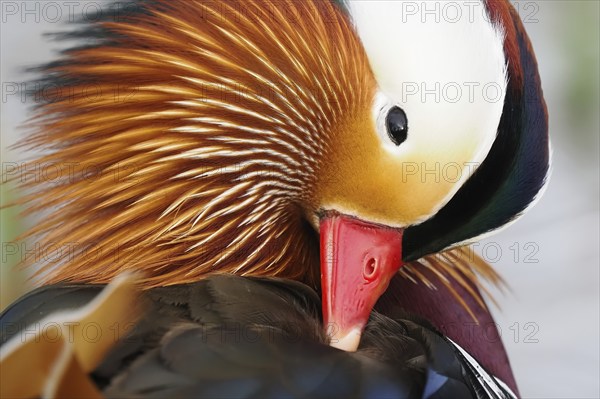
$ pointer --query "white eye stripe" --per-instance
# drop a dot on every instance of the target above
(438, 73)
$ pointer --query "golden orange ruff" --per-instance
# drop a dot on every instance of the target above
(203, 125)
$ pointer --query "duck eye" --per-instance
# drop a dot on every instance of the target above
(397, 125)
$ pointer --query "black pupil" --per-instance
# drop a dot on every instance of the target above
(397, 125)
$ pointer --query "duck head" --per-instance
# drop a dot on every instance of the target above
(228, 137)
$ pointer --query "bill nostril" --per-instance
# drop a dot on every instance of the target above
(370, 268)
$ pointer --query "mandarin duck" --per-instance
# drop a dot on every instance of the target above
(270, 199)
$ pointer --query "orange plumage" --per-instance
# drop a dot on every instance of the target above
(191, 138)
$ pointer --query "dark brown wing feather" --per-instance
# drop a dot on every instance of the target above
(240, 337)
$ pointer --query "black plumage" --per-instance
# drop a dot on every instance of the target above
(230, 336)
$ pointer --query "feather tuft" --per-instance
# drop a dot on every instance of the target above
(459, 265)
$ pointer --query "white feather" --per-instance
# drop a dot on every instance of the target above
(453, 56)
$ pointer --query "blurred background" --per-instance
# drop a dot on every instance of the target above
(549, 320)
